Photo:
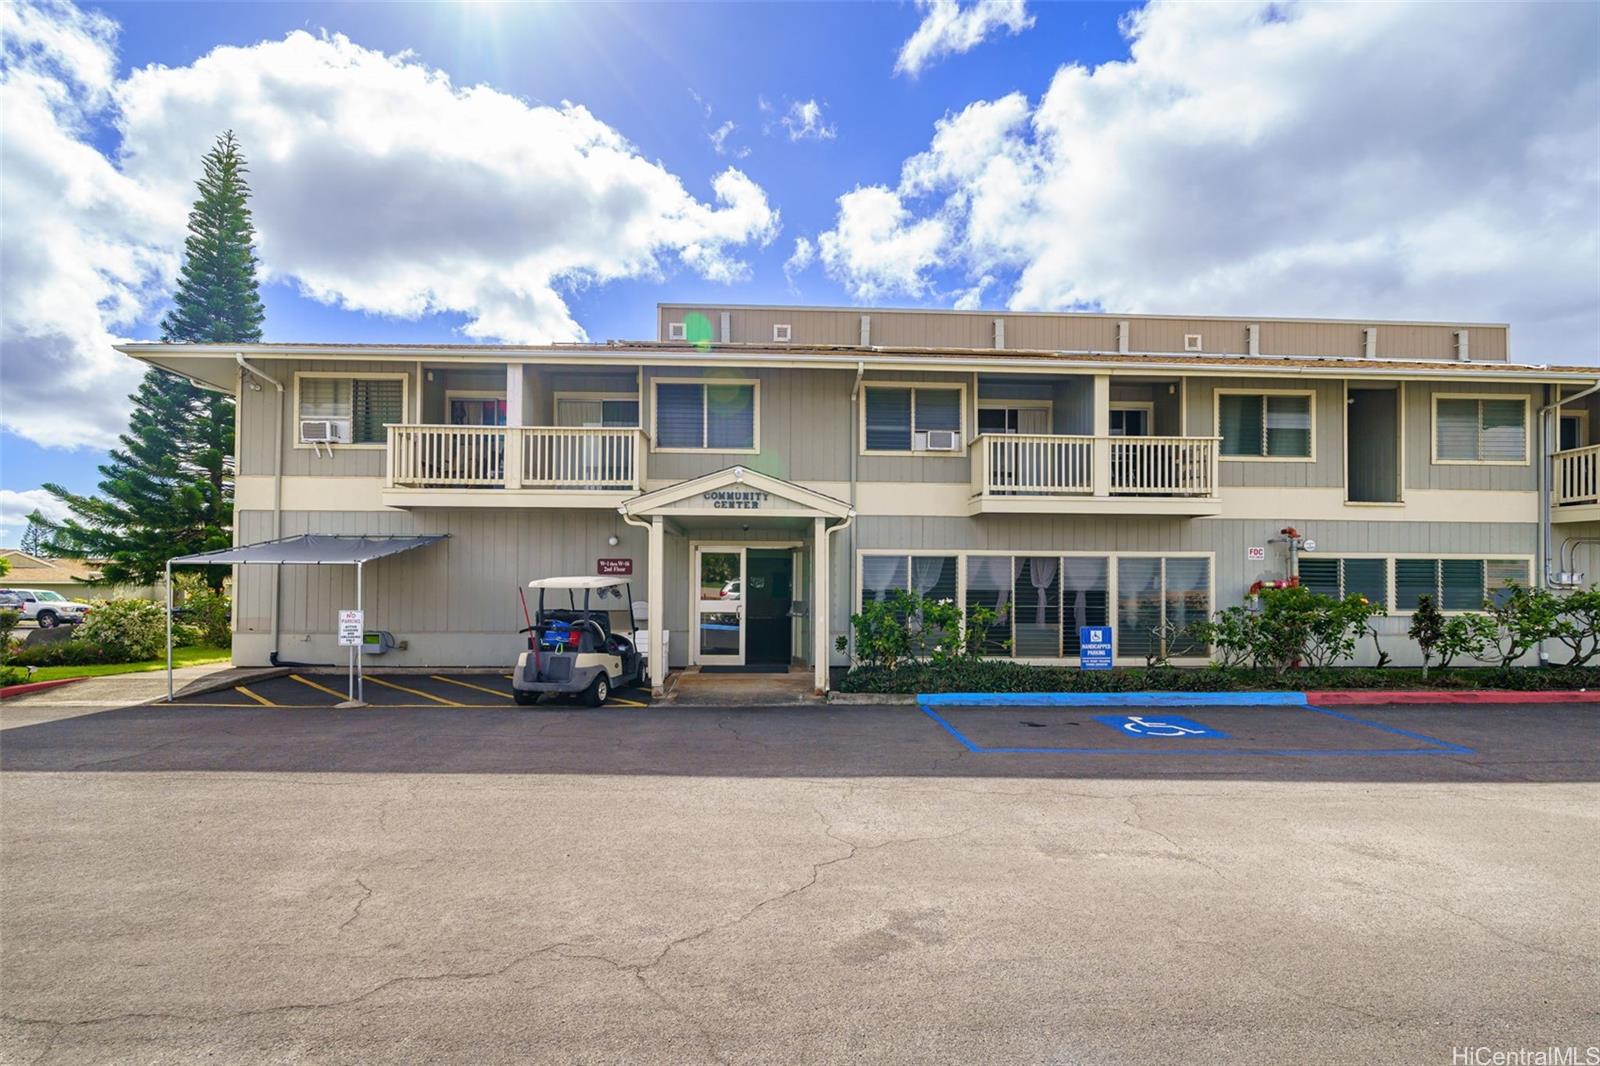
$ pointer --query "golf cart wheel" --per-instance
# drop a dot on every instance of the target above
(524, 699)
(47, 619)
(598, 692)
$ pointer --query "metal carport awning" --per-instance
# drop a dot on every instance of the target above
(307, 549)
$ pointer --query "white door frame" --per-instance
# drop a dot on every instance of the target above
(742, 547)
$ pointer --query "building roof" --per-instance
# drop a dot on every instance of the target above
(901, 358)
(29, 569)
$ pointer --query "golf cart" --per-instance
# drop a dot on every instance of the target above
(572, 649)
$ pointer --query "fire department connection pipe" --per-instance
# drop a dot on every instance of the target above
(277, 495)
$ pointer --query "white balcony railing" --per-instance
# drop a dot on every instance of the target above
(544, 457)
(1037, 465)
(1577, 476)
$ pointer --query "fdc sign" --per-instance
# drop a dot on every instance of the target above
(1094, 648)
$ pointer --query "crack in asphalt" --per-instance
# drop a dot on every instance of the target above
(1135, 820)
(355, 912)
(285, 1008)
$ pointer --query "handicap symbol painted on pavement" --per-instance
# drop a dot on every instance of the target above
(1166, 725)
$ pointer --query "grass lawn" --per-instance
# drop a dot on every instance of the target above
(180, 657)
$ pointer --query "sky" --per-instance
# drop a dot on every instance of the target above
(528, 173)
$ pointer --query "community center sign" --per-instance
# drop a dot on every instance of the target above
(736, 499)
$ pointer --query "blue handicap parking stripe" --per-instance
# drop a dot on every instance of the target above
(1113, 699)
(1298, 700)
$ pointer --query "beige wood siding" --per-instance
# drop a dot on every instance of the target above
(1328, 403)
(1091, 332)
(258, 410)
(1423, 473)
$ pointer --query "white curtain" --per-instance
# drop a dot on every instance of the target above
(1080, 576)
(1042, 571)
(990, 573)
(926, 573)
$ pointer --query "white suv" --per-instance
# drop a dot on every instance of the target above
(48, 609)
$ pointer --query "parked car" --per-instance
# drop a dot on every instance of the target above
(730, 591)
(48, 609)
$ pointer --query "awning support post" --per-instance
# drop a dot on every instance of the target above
(169, 630)
(359, 649)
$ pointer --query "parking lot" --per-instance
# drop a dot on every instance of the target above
(446, 877)
(309, 690)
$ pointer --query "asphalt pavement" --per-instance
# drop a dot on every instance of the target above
(428, 881)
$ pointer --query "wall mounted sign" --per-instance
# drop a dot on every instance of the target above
(737, 499)
(1255, 554)
(613, 567)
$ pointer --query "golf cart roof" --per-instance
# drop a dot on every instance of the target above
(577, 582)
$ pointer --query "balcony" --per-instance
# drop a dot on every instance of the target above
(466, 466)
(1575, 486)
(1036, 474)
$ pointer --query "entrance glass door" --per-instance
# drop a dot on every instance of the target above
(719, 605)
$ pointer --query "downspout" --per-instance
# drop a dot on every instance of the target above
(1548, 414)
(277, 495)
(849, 521)
(855, 448)
(1546, 460)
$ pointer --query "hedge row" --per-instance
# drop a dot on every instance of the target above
(998, 675)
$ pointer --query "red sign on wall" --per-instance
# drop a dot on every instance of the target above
(614, 567)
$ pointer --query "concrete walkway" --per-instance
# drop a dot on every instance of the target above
(99, 693)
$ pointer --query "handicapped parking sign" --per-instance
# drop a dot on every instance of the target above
(1165, 725)
(1094, 647)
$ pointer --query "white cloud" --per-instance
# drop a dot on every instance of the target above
(15, 507)
(804, 121)
(1370, 160)
(379, 186)
(947, 28)
(804, 254)
(719, 141)
(876, 250)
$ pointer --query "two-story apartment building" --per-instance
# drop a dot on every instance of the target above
(761, 471)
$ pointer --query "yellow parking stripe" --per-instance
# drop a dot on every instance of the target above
(626, 703)
(415, 692)
(508, 677)
(319, 688)
(255, 696)
(468, 684)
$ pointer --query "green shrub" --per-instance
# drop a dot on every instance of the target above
(207, 609)
(125, 631)
(1579, 625)
(8, 625)
(65, 653)
(1003, 675)
(1294, 626)
(907, 627)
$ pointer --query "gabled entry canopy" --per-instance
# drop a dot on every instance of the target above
(737, 492)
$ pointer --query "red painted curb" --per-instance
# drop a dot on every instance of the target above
(36, 686)
(1366, 699)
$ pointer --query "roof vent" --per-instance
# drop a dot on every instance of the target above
(1122, 337)
(999, 333)
(1369, 342)
(1252, 339)
(866, 331)
(782, 333)
(1461, 346)
(1191, 342)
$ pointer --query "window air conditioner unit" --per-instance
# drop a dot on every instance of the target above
(324, 431)
(942, 440)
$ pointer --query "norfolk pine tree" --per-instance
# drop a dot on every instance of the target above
(168, 490)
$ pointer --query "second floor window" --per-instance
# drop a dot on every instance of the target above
(899, 419)
(1480, 429)
(358, 409)
(1264, 425)
(709, 416)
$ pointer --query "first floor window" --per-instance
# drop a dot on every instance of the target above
(1264, 425)
(1484, 430)
(1340, 578)
(1157, 600)
(896, 416)
(1455, 584)
(705, 416)
(359, 408)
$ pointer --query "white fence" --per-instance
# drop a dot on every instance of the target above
(562, 458)
(1577, 476)
(1010, 464)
